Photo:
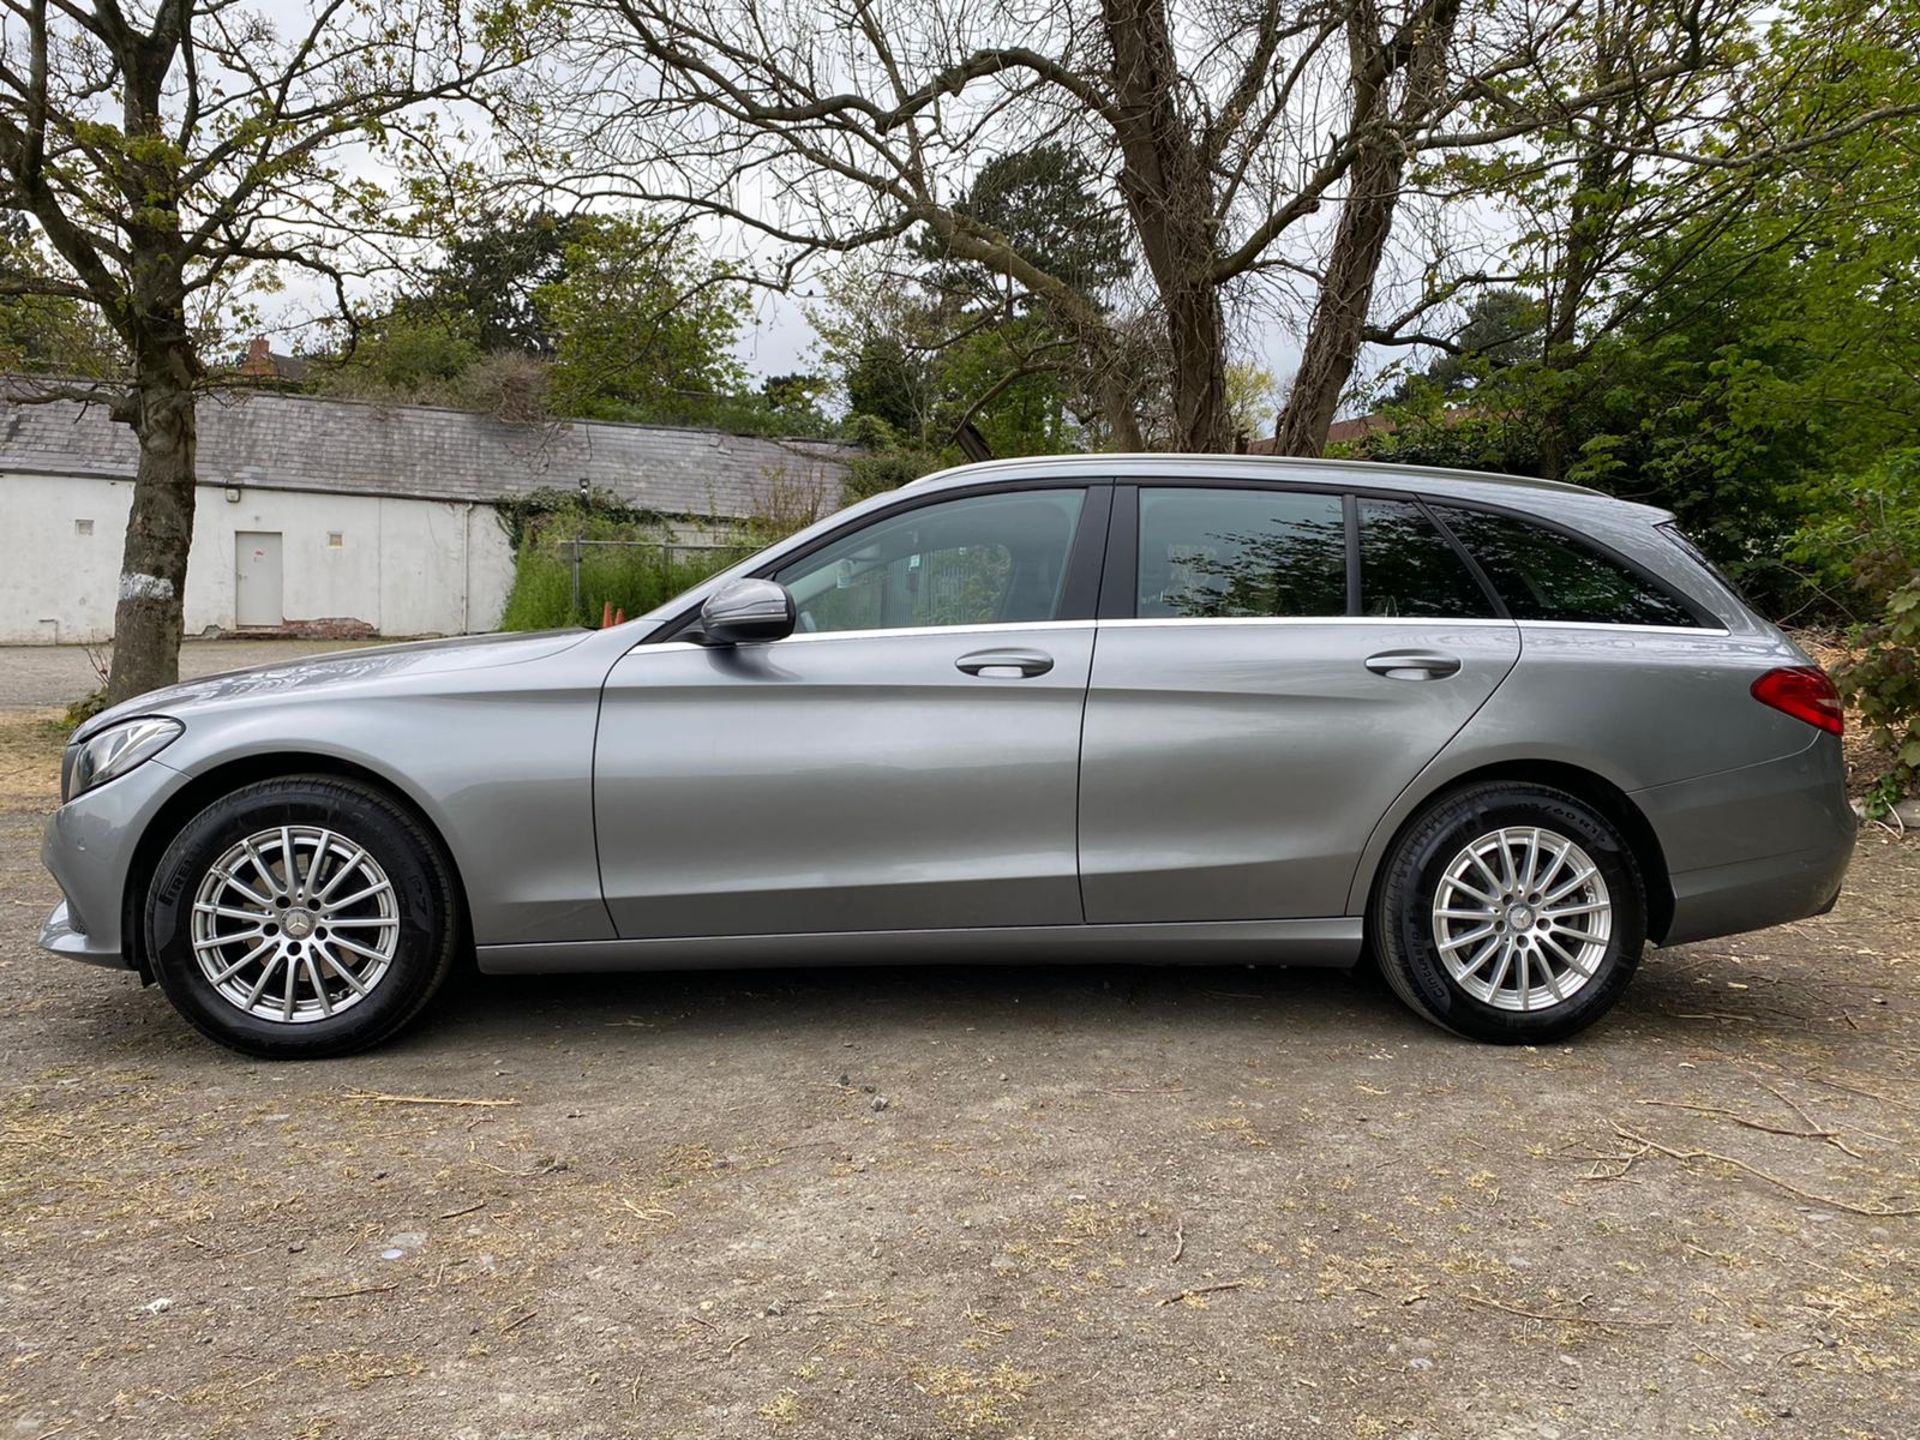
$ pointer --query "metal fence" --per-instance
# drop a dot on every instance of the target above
(667, 548)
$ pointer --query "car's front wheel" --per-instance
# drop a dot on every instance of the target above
(1510, 912)
(301, 917)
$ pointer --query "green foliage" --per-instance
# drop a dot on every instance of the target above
(875, 474)
(1501, 328)
(48, 334)
(885, 463)
(885, 383)
(523, 516)
(607, 317)
(644, 570)
(1875, 539)
(1253, 398)
(414, 351)
(1044, 200)
(644, 323)
(493, 273)
(1426, 428)
(935, 345)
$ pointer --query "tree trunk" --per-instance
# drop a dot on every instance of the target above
(1334, 335)
(1340, 314)
(153, 568)
(1197, 331)
(1171, 198)
(1588, 217)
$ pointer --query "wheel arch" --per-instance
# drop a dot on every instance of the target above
(1595, 789)
(203, 789)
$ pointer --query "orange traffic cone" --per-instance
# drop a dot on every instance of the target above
(606, 615)
(620, 616)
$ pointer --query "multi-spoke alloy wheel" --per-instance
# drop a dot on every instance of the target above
(295, 924)
(1510, 911)
(1522, 918)
(302, 916)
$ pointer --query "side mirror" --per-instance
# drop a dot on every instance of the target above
(744, 612)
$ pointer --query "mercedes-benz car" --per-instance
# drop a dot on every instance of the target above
(1495, 734)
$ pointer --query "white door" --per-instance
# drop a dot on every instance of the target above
(257, 598)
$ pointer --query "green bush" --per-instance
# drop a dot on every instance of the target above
(645, 570)
(1877, 539)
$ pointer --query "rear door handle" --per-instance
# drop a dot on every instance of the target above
(1413, 665)
(1005, 664)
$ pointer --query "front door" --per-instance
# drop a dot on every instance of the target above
(258, 600)
(1260, 710)
(907, 760)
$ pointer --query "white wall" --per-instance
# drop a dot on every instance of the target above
(405, 567)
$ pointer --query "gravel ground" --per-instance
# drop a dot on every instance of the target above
(900, 1203)
(33, 675)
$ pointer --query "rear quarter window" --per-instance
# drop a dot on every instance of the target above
(1542, 574)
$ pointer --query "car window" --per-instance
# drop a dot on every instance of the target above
(981, 560)
(1691, 549)
(1544, 575)
(1212, 554)
(1407, 567)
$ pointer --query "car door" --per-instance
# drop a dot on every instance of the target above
(1273, 667)
(906, 760)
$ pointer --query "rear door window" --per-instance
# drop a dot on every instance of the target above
(1224, 554)
(1408, 568)
(1542, 574)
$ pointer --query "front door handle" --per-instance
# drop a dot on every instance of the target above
(1413, 665)
(1005, 664)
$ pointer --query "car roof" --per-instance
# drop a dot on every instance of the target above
(1520, 490)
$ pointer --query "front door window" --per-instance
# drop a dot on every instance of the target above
(982, 560)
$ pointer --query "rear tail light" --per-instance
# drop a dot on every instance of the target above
(1805, 693)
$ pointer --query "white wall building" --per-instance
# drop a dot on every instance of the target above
(335, 517)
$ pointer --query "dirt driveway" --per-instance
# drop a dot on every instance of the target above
(1064, 1203)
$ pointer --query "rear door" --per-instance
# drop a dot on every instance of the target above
(1273, 667)
(907, 760)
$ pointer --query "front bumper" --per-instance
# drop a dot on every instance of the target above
(88, 848)
(1757, 846)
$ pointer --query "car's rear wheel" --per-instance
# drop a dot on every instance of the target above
(1510, 912)
(301, 917)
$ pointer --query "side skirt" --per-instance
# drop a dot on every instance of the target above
(1331, 942)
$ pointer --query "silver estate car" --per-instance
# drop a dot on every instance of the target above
(1497, 734)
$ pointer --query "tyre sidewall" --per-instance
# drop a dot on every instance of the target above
(421, 892)
(1403, 919)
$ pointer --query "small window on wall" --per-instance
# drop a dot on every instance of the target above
(1544, 575)
(1225, 554)
(1407, 567)
(335, 540)
(83, 527)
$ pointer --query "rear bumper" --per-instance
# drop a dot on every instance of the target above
(1756, 846)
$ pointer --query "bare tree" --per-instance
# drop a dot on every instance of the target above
(174, 153)
(1222, 129)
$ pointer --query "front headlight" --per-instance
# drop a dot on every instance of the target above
(114, 751)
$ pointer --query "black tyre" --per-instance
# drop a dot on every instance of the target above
(302, 917)
(1513, 913)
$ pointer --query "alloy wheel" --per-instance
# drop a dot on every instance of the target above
(296, 924)
(1522, 918)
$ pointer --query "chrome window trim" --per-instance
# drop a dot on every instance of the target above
(1701, 630)
(1709, 631)
(1140, 621)
(983, 628)
(892, 632)
(1156, 621)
